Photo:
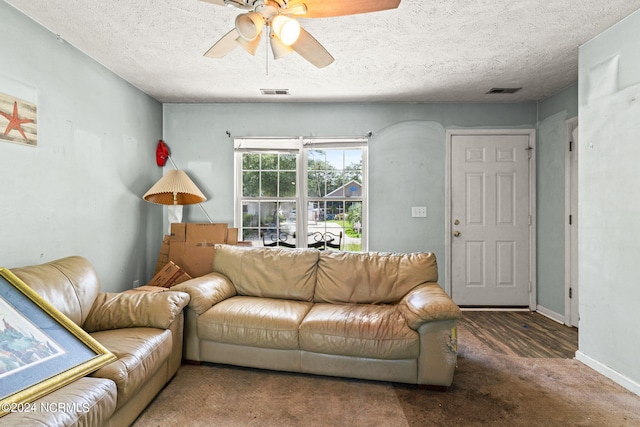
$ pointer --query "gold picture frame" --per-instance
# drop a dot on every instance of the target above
(41, 349)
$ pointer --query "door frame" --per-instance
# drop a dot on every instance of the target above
(450, 133)
(571, 311)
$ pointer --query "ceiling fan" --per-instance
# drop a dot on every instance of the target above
(284, 32)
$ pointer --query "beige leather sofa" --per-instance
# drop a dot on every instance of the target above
(362, 315)
(143, 330)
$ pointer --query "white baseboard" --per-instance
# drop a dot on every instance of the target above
(550, 314)
(625, 382)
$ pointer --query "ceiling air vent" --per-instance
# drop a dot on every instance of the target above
(504, 90)
(274, 91)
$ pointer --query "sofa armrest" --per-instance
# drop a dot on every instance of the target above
(206, 291)
(132, 310)
(427, 303)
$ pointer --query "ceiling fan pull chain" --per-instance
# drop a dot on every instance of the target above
(266, 49)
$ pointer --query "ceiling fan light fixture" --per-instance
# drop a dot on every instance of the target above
(249, 45)
(249, 25)
(278, 48)
(287, 29)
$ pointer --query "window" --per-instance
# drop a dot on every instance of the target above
(311, 187)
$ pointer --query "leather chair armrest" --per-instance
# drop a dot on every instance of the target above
(428, 303)
(206, 291)
(132, 310)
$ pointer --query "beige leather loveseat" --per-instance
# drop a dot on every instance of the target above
(362, 315)
(143, 330)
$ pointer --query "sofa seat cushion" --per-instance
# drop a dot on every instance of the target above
(140, 352)
(359, 330)
(254, 321)
(84, 402)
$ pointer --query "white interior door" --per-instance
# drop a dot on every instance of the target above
(490, 218)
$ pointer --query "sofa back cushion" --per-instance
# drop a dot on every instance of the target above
(69, 284)
(371, 277)
(269, 272)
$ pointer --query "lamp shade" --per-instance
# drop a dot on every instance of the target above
(287, 29)
(174, 188)
(278, 48)
(249, 25)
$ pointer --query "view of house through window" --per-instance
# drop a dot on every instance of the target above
(302, 192)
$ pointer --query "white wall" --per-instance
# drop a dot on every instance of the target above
(609, 202)
(79, 191)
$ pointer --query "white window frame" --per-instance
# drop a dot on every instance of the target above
(300, 146)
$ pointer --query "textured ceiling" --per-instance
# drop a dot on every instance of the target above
(424, 51)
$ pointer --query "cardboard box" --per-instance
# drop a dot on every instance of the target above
(232, 236)
(163, 256)
(168, 276)
(191, 246)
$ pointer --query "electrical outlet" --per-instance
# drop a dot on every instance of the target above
(419, 212)
(136, 283)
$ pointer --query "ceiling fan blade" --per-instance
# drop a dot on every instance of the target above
(240, 4)
(223, 46)
(218, 2)
(328, 8)
(311, 50)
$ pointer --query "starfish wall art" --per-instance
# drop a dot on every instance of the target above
(18, 120)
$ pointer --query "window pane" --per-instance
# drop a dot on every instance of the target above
(287, 184)
(353, 189)
(335, 185)
(250, 184)
(268, 214)
(288, 162)
(353, 226)
(313, 185)
(287, 216)
(269, 161)
(250, 214)
(280, 225)
(335, 159)
(325, 231)
(250, 234)
(333, 210)
(316, 184)
(250, 161)
(269, 184)
(353, 158)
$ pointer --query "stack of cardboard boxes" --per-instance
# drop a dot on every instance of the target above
(188, 252)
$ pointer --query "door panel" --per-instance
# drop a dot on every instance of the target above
(490, 247)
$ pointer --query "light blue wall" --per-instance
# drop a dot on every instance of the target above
(78, 192)
(609, 193)
(99, 133)
(406, 155)
(551, 148)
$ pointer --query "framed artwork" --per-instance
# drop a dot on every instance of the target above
(41, 349)
(18, 121)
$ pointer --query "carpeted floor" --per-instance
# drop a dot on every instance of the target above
(489, 389)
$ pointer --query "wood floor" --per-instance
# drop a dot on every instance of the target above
(522, 333)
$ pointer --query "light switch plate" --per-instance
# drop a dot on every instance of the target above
(418, 211)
